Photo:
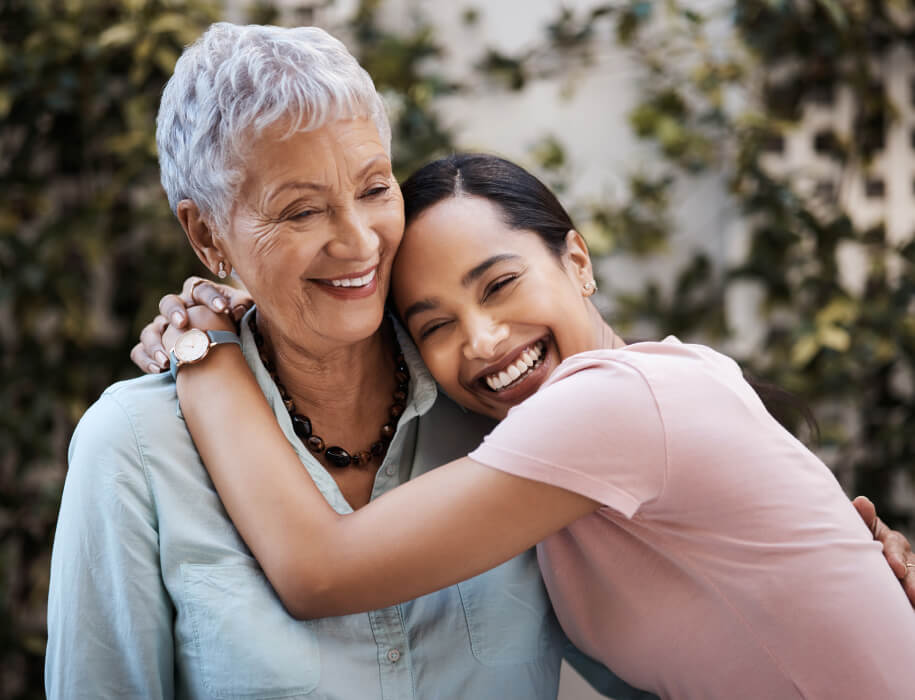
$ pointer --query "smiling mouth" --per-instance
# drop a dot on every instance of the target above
(509, 377)
(361, 281)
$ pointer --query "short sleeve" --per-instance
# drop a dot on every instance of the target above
(593, 428)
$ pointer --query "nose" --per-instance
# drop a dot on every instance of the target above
(353, 237)
(484, 336)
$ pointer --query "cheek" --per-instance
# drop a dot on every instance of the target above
(441, 364)
(391, 224)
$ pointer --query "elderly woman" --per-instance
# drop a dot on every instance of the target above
(274, 150)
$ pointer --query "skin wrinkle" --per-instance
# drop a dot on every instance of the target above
(328, 352)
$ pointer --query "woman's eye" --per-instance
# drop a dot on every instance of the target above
(375, 191)
(499, 284)
(431, 328)
(299, 216)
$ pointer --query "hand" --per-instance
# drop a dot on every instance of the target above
(150, 354)
(896, 547)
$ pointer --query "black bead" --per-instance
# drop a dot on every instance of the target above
(338, 456)
(302, 426)
(377, 448)
(315, 444)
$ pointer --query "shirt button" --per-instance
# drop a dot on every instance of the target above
(393, 655)
(389, 470)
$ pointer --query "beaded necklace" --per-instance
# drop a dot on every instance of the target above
(301, 424)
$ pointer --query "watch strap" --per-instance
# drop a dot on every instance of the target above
(216, 338)
(219, 337)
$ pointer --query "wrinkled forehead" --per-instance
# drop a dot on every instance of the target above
(339, 150)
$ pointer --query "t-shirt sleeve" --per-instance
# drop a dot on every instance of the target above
(594, 428)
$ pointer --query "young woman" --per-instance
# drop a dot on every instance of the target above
(686, 539)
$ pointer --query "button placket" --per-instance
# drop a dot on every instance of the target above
(393, 658)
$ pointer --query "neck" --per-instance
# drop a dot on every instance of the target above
(345, 390)
(605, 337)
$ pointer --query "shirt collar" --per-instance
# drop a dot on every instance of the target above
(423, 393)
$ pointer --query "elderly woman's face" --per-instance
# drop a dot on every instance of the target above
(314, 231)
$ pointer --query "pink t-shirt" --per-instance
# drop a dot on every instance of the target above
(727, 562)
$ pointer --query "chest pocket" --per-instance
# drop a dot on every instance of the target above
(242, 642)
(508, 613)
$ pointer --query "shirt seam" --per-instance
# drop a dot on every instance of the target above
(657, 408)
(751, 630)
(147, 478)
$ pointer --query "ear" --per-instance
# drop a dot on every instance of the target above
(576, 257)
(200, 235)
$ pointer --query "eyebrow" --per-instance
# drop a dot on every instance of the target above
(318, 187)
(419, 307)
(478, 271)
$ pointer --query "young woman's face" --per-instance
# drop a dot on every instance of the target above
(491, 309)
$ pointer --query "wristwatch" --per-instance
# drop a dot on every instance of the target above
(193, 345)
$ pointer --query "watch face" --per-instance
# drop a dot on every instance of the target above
(192, 346)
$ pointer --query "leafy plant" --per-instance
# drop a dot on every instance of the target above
(725, 102)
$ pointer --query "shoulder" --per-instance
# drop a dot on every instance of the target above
(597, 381)
(111, 440)
(648, 366)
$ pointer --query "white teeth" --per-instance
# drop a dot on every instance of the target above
(518, 369)
(354, 281)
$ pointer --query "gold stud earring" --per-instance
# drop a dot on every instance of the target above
(221, 273)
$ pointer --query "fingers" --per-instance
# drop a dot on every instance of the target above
(202, 291)
(239, 302)
(152, 346)
(898, 552)
(908, 583)
(867, 511)
(173, 308)
(143, 361)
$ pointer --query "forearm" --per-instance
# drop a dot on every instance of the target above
(440, 528)
(272, 501)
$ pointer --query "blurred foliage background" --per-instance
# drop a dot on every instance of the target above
(87, 243)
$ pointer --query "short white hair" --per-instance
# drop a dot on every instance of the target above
(234, 82)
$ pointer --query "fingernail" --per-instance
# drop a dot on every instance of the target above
(161, 358)
(177, 318)
(219, 304)
(154, 368)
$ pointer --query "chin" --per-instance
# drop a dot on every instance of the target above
(355, 327)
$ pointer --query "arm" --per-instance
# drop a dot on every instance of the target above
(443, 527)
(109, 616)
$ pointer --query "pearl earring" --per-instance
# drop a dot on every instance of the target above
(589, 287)
(221, 273)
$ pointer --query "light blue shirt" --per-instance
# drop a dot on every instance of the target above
(153, 593)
